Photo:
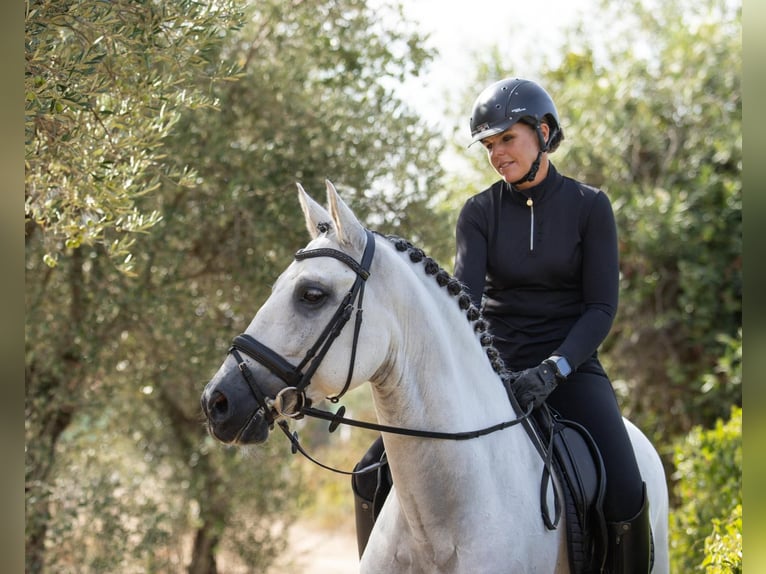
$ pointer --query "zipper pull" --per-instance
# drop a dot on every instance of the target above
(531, 206)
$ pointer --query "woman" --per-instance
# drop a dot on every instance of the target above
(538, 252)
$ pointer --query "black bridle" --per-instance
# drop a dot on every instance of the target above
(296, 378)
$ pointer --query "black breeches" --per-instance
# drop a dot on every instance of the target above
(589, 400)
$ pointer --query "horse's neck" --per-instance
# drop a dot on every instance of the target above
(441, 380)
(448, 387)
(440, 375)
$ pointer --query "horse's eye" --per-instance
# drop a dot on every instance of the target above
(313, 296)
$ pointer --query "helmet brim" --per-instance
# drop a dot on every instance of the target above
(489, 132)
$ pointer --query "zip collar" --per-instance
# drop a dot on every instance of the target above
(537, 193)
(534, 196)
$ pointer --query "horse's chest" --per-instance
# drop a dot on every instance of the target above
(483, 549)
(398, 551)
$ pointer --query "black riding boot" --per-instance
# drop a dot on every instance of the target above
(630, 543)
(365, 517)
(370, 491)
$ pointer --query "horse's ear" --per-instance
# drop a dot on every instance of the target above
(347, 226)
(317, 217)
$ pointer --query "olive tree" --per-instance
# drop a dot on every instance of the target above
(179, 159)
(105, 82)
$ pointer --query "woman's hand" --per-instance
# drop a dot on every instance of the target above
(532, 386)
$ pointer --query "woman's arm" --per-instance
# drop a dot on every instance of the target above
(600, 284)
(471, 251)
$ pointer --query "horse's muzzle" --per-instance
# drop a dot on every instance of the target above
(234, 419)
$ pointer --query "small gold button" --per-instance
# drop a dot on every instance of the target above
(529, 202)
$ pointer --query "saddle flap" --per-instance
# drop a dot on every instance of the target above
(579, 463)
(581, 470)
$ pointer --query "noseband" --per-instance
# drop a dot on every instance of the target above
(295, 377)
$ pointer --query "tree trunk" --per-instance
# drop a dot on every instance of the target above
(53, 385)
(214, 508)
(203, 554)
(40, 456)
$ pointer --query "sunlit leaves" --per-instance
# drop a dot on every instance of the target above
(709, 474)
(105, 83)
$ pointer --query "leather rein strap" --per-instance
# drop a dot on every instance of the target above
(338, 418)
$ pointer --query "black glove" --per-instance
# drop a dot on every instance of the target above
(532, 386)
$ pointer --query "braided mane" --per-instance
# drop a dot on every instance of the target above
(457, 290)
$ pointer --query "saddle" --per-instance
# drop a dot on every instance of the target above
(576, 460)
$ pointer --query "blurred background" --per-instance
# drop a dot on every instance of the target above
(162, 145)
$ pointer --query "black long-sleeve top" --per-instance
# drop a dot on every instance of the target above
(544, 262)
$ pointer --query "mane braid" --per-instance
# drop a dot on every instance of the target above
(458, 291)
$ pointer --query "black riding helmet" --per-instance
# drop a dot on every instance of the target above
(508, 101)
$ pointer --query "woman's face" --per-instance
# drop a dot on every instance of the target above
(513, 151)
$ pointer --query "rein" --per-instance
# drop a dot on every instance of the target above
(297, 380)
(338, 418)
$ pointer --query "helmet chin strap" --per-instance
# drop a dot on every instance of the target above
(532, 173)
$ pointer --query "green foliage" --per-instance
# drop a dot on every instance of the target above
(671, 160)
(205, 170)
(105, 82)
(649, 94)
(305, 111)
(723, 548)
(113, 512)
(125, 501)
(706, 527)
(659, 128)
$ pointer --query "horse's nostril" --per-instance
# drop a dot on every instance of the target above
(218, 406)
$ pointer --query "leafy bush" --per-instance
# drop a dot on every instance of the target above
(723, 548)
(706, 528)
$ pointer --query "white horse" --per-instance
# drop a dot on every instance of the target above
(457, 506)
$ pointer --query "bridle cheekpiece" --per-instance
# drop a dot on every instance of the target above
(297, 378)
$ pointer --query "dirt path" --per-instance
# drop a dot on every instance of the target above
(317, 550)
